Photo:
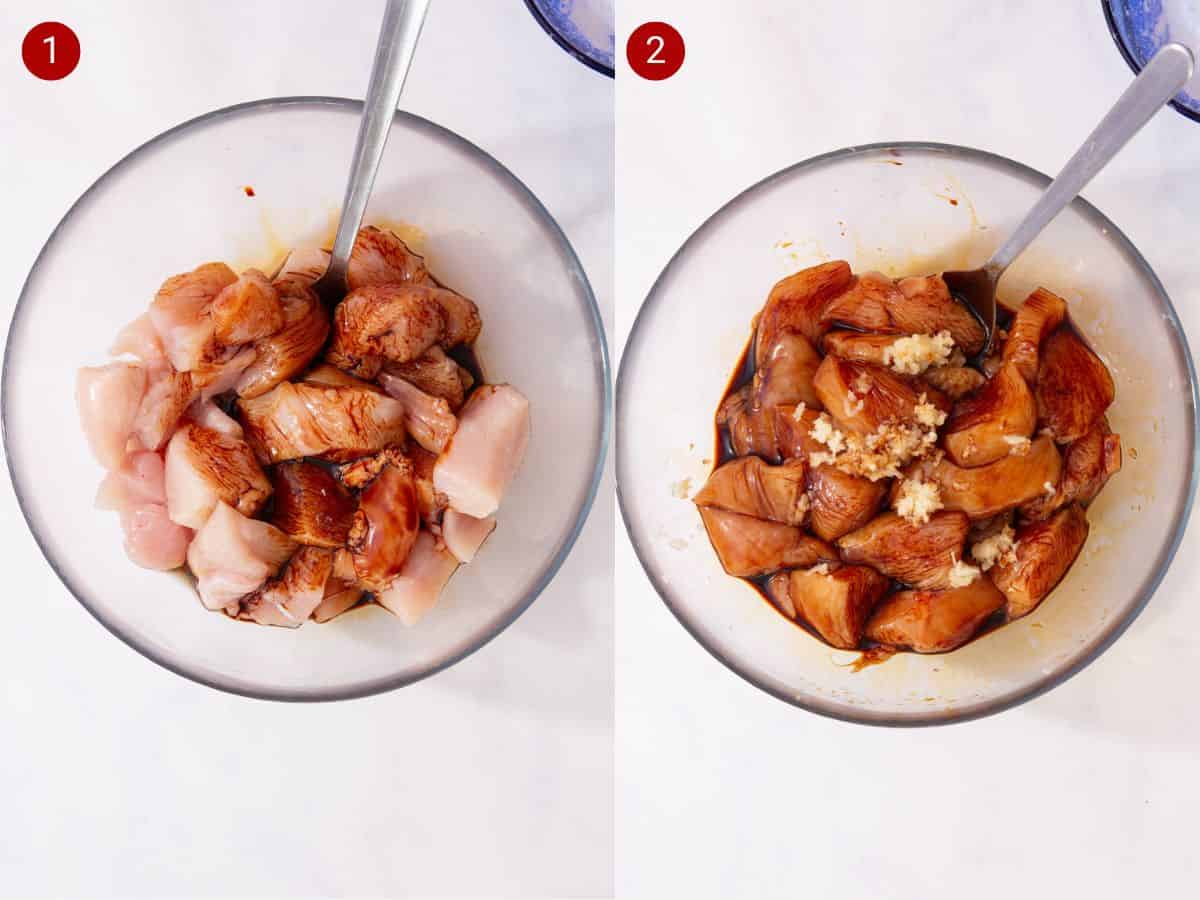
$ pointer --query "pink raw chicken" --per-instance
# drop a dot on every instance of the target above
(292, 597)
(427, 418)
(139, 339)
(205, 467)
(168, 394)
(138, 480)
(108, 399)
(180, 312)
(152, 540)
(464, 535)
(419, 584)
(232, 556)
(486, 451)
(340, 595)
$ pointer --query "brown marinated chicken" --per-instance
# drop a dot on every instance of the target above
(865, 391)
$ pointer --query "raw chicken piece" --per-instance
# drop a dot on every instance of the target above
(927, 307)
(1074, 387)
(140, 339)
(791, 434)
(396, 322)
(310, 505)
(1009, 482)
(493, 431)
(232, 556)
(428, 419)
(340, 596)
(920, 555)
(839, 502)
(108, 398)
(750, 486)
(798, 301)
(751, 431)
(289, 350)
(139, 480)
(463, 323)
(168, 395)
(295, 594)
(385, 526)
(1088, 463)
(435, 373)
(984, 426)
(749, 547)
(295, 420)
(304, 264)
(1044, 552)
(207, 414)
(246, 310)
(1040, 314)
(222, 370)
(380, 257)
(861, 398)
(206, 467)
(865, 304)
(858, 346)
(180, 312)
(429, 501)
(464, 535)
(152, 540)
(785, 375)
(419, 585)
(836, 603)
(934, 621)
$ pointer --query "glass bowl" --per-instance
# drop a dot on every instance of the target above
(1140, 28)
(902, 208)
(243, 184)
(584, 28)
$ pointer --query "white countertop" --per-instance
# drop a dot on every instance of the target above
(119, 779)
(1088, 791)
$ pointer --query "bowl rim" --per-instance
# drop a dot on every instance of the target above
(559, 38)
(1110, 19)
(555, 563)
(1039, 686)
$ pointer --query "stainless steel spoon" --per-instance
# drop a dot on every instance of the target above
(1161, 79)
(402, 20)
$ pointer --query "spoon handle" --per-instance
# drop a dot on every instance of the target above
(402, 20)
(1161, 79)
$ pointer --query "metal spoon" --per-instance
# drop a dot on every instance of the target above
(1158, 82)
(402, 20)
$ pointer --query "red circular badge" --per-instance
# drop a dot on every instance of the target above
(50, 51)
(655, 51)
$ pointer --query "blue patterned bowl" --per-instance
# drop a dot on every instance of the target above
(1141, 27)
(584, 28)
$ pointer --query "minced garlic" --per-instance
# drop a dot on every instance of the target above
(798, 412)
(880, 454)
(962, 574)
(918, 500)
(1018, 445)
(927, 414)
(1001, 547)
(1049, 488)
(915, 353)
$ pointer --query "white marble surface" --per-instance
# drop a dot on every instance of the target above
(120, 779)
(723, 791)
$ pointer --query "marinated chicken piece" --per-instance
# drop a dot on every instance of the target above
(751, 432)
(429, 501)
(289, 350)
(785, 375)
(463, 535)
(791, 432)
(993, 422)
(304, 265)
(181, 313)
(380, 257)
(1074, 387)
(206, 467)
(152, 540)
(486, 451)
(927, 307)
(417, 588)
(384, 527)
(1044, 552)
(139, 339)
(289, 599)
(955, 381)
(797, 303)
(1037, 317)
(436, 374)
(750, 486)
(1007, 483)
(1088, 463)
(138, 480)
(295, 420)
(427, 418)
(934, 621)
(749, 547)
(463, 323)
(108, 398)
(221, 370)
(859, 347)
(232, 556)
(920, 555)
(168, 395)
(396, 322)
(340, 596)
(840, 503)
(865, 305)
(310, 505)
(836, 603)
(361, 472)
(335, 377)
(207, 414)
(247, 310)
(861, 398)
